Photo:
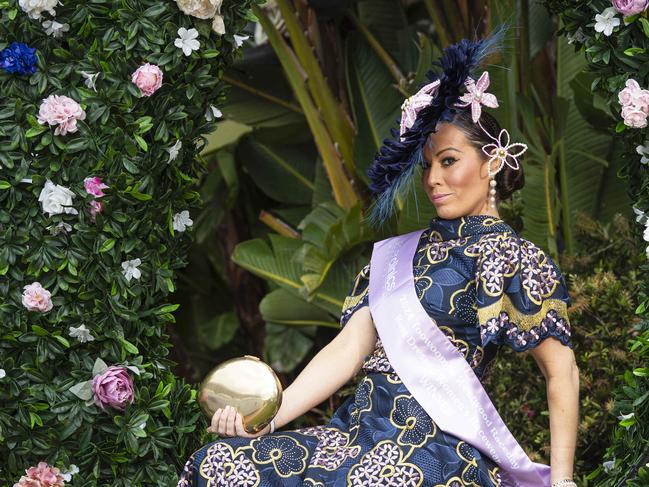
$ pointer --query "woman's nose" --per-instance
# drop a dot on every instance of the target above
(433, 176)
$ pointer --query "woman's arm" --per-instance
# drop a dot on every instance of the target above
(330, 369)
(557, 363)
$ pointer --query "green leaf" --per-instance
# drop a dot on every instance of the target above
(83, 390)
(645, 26)
(141, 142)
(41, 332)
(99, 367)
(107, 245)
(5, 185)
(128, 346)
(62, 340)
(167, 309)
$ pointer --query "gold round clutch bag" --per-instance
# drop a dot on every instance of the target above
(246, 383)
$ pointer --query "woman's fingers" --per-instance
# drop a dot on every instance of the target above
(229, 422)
(238, 426)
(214, 424)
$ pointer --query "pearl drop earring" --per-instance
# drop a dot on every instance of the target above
(492, 193)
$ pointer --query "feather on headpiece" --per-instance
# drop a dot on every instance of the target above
(394, 166)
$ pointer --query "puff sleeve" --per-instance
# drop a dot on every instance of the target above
(357, 296)
(522, 297)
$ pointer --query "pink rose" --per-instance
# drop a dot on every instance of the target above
(113, 388)
(41, 476)
(630, 7)
(642, 101)
(61, 111)
(629, 94)
(94, 186)
(148, 78)
(37, 298)
(634, 117)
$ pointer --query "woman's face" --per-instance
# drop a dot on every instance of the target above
(456, 172)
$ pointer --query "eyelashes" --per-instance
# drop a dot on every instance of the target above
(426, 165)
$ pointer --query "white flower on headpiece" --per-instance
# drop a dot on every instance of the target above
(500, 152)
(476, 96)
(411, 106)
(606, 21)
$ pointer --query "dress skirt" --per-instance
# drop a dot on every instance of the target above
(380, 436)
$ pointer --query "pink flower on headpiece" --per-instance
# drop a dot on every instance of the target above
(500, 152)
(416, 102)
(476, 96)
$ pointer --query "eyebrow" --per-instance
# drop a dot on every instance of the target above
(448, 148)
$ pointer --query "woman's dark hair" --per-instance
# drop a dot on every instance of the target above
(508, 180)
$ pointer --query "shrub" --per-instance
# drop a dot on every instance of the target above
(103, 251)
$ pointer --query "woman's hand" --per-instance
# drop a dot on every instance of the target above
(228, 422)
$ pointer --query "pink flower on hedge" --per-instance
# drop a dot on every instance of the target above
(635, 104)
(95, 207)
(42, 475)
(114, 388)
(94, 185)
(61, 111)
(148, 78)
(37, 298)
(630, 7)
(634, 118)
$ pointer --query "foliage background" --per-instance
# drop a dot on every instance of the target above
(324, 74)
(122, 140)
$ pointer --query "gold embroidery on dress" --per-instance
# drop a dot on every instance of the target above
(523, 321)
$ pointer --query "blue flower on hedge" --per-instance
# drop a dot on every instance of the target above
(18, 58)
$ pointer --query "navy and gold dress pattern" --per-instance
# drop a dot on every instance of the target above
(485, 287)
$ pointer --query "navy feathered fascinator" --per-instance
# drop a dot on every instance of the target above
(393, 168)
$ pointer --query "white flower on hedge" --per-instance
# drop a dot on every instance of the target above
(645, 235)
(643, 150)
(56, 199)
(181, 221)
(238, 40)
(187, 41)
(640, 216)
(81, 333)
(608, 465)
(646, 251)
(606, 21)
(90, 79)
(54, 28)
(60, 228)
(174, 150)
(212, 113)
(130, 269)
(3, 374)
(35, 8)
(67, 474)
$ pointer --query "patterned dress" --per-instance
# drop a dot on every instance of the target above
(485, 286)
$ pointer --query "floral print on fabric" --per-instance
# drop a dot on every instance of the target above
(484, 286)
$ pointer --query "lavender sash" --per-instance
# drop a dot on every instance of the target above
(434, 371)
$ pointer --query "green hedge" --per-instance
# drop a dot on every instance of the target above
(126, 139)
(616, 55)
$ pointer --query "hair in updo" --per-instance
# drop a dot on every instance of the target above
(508, 180)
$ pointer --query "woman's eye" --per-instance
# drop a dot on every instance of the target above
(451, 159)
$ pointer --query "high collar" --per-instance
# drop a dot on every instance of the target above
(464, 226)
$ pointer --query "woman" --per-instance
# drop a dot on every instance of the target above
(481, 286)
